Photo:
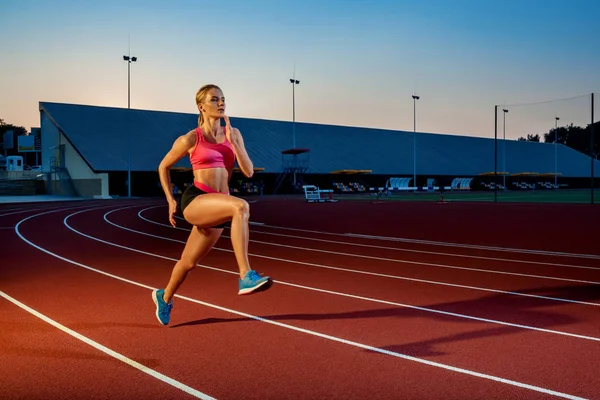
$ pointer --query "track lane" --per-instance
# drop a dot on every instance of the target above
(40, 360)
(528, 226)
(237, 352)
(207, 285)
(431, 252)
(586, 260)
(416, 265)
(521, 310)
(450, 248)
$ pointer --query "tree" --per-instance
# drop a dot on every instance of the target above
(17, 131)
(530, 138)
(572, 136)
(575, 137)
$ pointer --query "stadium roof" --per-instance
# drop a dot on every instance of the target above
(101, 136)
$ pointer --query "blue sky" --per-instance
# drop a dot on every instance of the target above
(358, 62)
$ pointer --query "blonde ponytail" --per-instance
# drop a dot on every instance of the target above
(200, 97)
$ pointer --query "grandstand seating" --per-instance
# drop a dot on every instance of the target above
(461, 184)
(399, 184)
(387, 152)
(351, 187)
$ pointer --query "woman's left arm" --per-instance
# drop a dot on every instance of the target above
(241, 154)
(237, 141)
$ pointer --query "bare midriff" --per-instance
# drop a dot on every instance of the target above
(215, 178)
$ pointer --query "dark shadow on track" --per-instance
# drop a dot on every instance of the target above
(498, 305)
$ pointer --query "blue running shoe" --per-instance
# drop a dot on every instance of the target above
(163, 310)
(252, 281)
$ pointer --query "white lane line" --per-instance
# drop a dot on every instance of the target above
(477, 247)
(108, 351)
(64, 207)
(362, 298)
(20, 211)
(446, 244)
(90, 342)
(406, 250)
(29, 210)
(307, 331)
(12, 208)
(249, 222)
(346, 269)
(430, 242)
(441, 243)
(400, 261)
(437, 253)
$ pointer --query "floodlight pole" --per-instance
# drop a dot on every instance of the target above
(495, 153)
(129, 60)
(504, 149)
(294, 82)
(592, 145)
(556, 152)
(415, 98)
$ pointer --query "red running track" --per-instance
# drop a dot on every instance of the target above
(348, 317)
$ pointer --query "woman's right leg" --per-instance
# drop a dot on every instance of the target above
(213, 209)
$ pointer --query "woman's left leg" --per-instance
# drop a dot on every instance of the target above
(199, 243)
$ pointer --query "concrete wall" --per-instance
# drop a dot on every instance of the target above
(87, 183)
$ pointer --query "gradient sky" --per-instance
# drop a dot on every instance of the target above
(358, 62)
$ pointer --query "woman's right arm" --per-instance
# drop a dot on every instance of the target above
(180, 148)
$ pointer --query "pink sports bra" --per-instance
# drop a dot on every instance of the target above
(210, 155)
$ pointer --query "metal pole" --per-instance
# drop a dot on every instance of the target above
(556, 152)
(294, 114)
(415, 143)
(129, 60)
(592, 158)
(415, 98)
(504, 149)
(495, 152)
(294, 128)
(294, 82)
(128, 84)
(129, 133)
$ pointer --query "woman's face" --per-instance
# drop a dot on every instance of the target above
(213, 104)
